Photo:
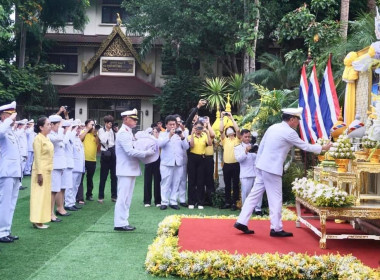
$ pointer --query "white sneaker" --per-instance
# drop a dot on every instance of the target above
(200, 207)
(147, 205)
(191, 206)
(158, 205)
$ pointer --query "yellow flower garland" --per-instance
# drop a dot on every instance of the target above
(164, 259)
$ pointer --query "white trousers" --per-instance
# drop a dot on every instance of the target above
(246, 187)
(272, 184)
(170, 178)
(9, 188)
(125, 186)
(71, 193)
(23, 165)
(29, 163)
(182, 189)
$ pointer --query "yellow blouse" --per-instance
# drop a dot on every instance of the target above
(43, 154)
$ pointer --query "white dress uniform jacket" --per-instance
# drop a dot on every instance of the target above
(10, 158)
(275, 146)
(172, 150)
(127, 163)
(78, 156)
(247, 161)
(23, 142)
(59, 160)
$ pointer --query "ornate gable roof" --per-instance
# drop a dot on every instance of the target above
(116, 44)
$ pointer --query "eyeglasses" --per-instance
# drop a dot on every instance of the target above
(199, 128)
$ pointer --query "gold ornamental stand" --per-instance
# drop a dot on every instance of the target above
(346, 178)
(346, 213)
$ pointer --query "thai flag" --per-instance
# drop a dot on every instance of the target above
(315, 111)
(307, 134)
(328, 99)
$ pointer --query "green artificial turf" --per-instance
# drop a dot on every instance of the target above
(84, 245)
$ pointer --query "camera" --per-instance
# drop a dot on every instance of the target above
(178, 131)
(97, 127)
(67, 108)
(254, 147)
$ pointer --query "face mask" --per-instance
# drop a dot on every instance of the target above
(229, 131)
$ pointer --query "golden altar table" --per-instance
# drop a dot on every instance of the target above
(346, 178)
(346, 213)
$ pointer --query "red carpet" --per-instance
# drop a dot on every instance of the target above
(219, 234)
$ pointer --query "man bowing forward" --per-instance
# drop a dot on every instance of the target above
(127, 168)
(274, 147)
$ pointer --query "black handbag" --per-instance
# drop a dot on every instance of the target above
(107, 154)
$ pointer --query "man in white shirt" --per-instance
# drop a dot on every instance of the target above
(30, 134)
(127, 168)
(172, 147)
(107, 158)
(274, 147)
(21, 134)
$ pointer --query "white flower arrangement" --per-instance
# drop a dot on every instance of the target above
(321, 195)
(367, 143)
(342, 148)
(164, 259)
(322, 142)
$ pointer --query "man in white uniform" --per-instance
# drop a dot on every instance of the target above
(247, 159)
(10, 171)
(274, 147)
(172, 160)
(30, 134)
(127, 168)
(23, 143)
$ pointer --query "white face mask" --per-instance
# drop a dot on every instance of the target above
(229, 131)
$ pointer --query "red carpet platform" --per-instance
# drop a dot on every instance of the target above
(219, 234)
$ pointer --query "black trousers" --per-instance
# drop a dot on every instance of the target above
(209, 177)
(108, 165)
(231, 173)
(90, 171)
(152, 170)
(196, 172)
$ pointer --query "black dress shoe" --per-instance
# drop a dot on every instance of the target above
(76, 207)
(233, 207)
(280, 233)
(163, 207)
(22, 188)
(226, 206)
(60, 214)
(175, 207)
(56, 220)
(89, 198)
(258, 213)
(71, 208)
(14, 237)
(6, 239)
(243, 228)
(124, 228)
(184, 204)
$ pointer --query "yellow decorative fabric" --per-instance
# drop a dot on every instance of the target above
(350, 75)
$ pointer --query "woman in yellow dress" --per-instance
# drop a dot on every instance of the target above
(40, 193)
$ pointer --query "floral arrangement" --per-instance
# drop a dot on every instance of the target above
(322, 142)
(367, 143)
(321, 195)
(164, 259)
(342, 148)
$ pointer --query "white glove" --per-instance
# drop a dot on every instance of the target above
(150, 152)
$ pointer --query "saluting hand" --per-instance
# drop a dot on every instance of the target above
(13, 116)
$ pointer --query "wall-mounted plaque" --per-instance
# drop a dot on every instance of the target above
(117, 66)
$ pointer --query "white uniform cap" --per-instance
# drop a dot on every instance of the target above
(66, 123)
(55, 118)
(77, 122)
(23, 122)
(8, 108)
(293, 111)
(31, 121)
(131, 113)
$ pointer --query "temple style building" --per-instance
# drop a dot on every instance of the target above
(102, 71)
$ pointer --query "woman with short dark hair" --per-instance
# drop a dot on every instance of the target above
(40, 193)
